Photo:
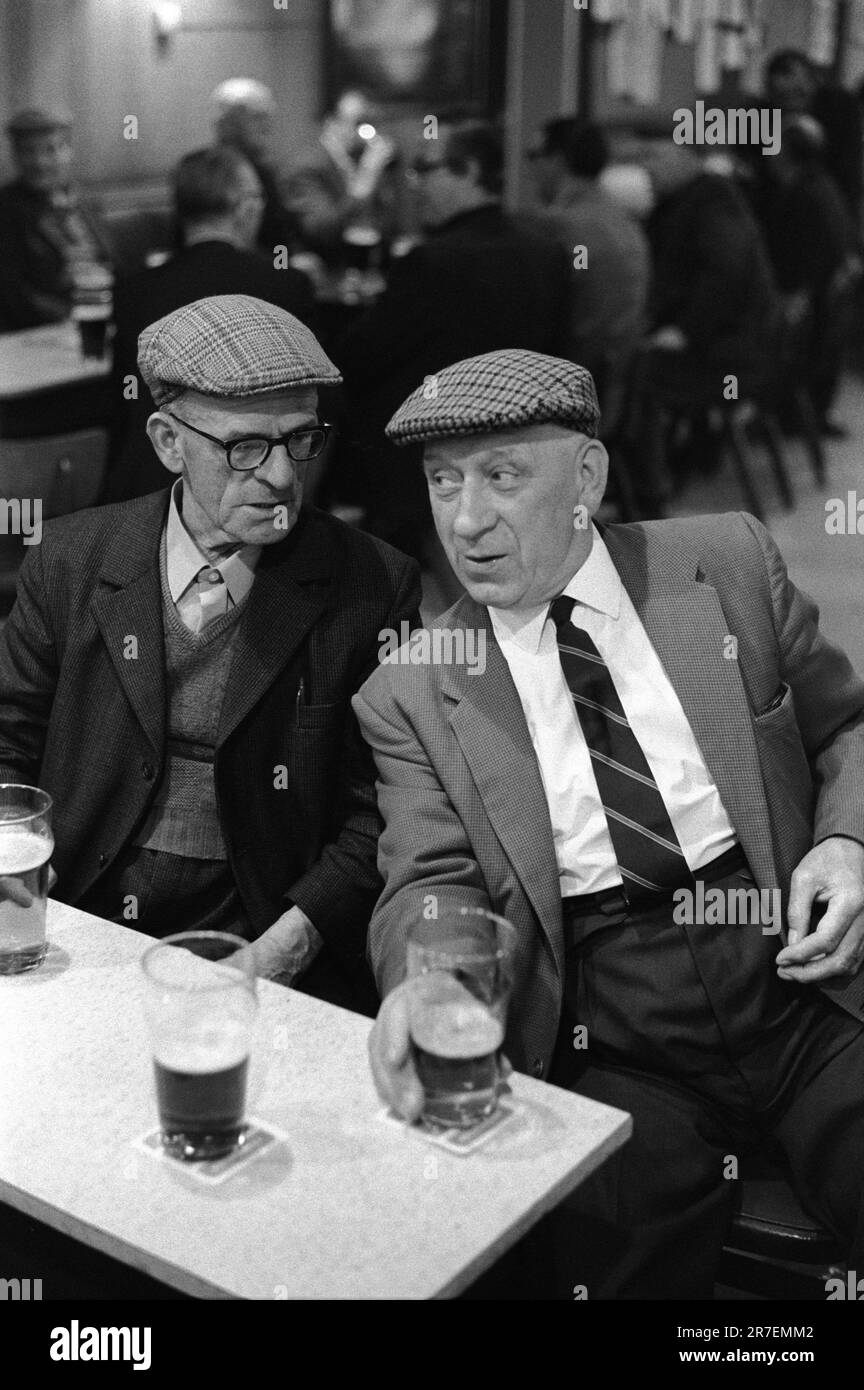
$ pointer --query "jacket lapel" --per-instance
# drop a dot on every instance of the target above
(489, 724)
(684, 620)
(127, 607)
(292, 586)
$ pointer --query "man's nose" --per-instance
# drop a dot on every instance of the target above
(473, 514)
(279, 469)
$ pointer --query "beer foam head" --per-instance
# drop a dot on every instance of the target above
(22, 849)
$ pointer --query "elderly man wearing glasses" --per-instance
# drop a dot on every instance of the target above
(177, 670)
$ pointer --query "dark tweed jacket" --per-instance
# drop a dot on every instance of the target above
(83, 709)
(459, 785)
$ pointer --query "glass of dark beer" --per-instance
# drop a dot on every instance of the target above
(26, 845)
(201, 1007)
(92, 306)
(462, 967)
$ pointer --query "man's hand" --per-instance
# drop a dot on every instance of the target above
(12, 890)
(391, 1055)
(286, 948)
(832, 874)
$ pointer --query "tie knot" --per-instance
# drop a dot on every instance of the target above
(561, 610)
(208, 575)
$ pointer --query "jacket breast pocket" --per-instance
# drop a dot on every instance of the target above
(316, 716)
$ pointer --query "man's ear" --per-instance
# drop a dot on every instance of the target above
(165, 437)
(593, 465)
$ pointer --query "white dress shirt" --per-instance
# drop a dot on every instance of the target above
(603, 609)
(184, 562)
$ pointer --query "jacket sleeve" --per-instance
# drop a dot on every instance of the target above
(829, 700)
(339, 891)
(23, 304)
(29, 666)
(424, 854)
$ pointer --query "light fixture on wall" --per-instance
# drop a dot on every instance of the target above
(167, 20)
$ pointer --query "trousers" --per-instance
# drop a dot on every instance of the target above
(689, 1029)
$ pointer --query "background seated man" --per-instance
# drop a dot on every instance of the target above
(609, 288)
(479, 282)
(218, 203)
(658, 711)
(45, 226)
(177, 670)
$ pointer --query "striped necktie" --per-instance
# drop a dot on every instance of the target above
(649, 855)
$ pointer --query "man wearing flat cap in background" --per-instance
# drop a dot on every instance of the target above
(659, 716)
(177, 670)
(45, 227)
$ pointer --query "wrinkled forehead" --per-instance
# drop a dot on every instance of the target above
(268, 411)
(551, 440)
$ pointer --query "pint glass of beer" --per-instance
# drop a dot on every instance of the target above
(201, 1007)
(26, 844)
(462, 966)
(92, 306)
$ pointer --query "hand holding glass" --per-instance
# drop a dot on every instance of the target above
(461, 965)
(26, 845)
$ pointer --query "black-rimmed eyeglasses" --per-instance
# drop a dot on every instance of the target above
(251, 450)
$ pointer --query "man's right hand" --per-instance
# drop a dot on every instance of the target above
(391, 1055)
(391, 1052)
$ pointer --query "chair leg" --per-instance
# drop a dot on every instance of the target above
(810, 430)
(735, 435)
(769, 428)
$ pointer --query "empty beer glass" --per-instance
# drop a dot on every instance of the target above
(26, 844)
(201, 1006)
(462, 966)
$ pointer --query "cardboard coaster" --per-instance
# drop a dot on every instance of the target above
(458, 1141)
(256, 1140)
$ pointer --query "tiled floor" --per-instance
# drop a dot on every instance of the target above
(829, 567)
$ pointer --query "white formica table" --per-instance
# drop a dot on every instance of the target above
(349, 1206)
(42, 359)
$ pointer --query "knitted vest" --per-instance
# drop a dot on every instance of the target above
(184, 819)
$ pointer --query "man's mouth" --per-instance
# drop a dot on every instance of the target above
(481, 560)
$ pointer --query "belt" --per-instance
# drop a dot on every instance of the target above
(618, 901)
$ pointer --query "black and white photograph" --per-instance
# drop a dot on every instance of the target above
(431, 671)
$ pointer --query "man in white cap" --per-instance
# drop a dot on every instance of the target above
(243, 120)
(658, 712)
(177, 670)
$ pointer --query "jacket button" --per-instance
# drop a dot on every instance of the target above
(537, 1066)
(147, 772)
(103, 860)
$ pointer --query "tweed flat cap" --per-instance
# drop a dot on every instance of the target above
(498, 391)
(230, 345)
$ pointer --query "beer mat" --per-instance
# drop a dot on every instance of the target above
(256, 1141)
(458, 1141)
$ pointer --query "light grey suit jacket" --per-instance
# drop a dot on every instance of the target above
(459, 787)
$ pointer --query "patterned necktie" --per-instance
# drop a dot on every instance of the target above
(212, 594)
(649, 855)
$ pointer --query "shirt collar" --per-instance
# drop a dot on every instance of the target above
(184, 560)
(596, 585)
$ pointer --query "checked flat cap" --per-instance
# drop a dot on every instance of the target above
(230, 345)
(498, 391)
